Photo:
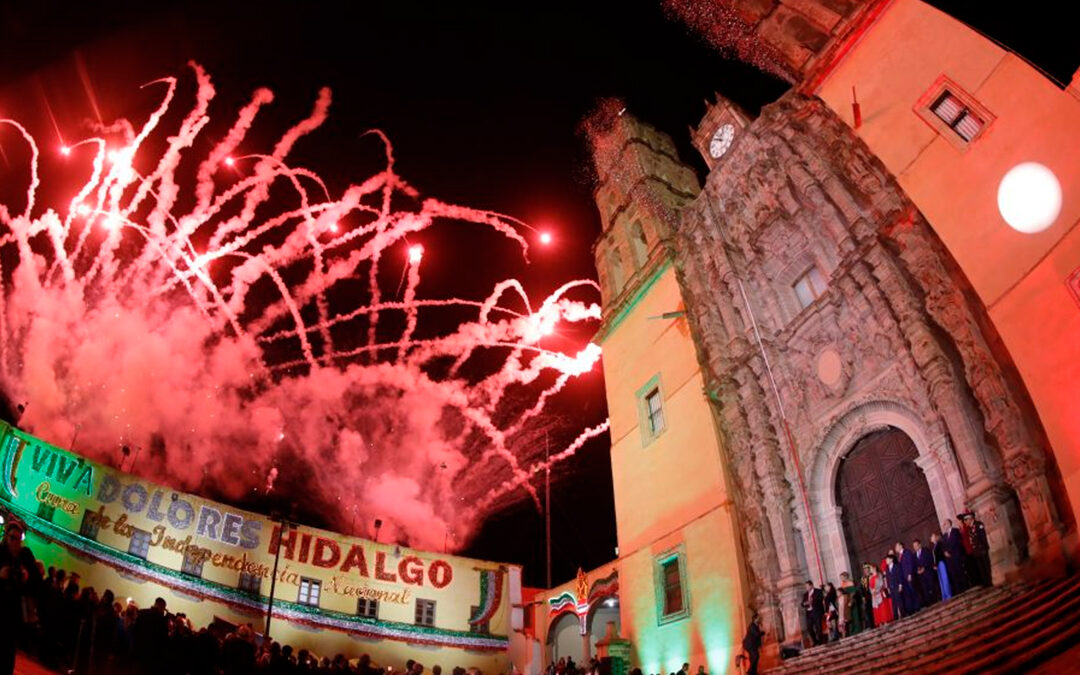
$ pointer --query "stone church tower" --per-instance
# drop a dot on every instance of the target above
(859, 394)
(862, 392)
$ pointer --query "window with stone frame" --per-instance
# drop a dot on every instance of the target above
(650, 405)
(953, 113)
(193, 561)
(310, 590)
(673, 601)
(140, 544)
(809, 287)
(250, 583)
(89, 527)
(425, 612)
(368, 608)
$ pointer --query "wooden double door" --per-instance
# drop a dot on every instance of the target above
(884, 497)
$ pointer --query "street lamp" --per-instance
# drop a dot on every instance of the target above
(285, 525)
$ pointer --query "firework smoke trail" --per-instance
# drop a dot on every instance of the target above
(192, 318)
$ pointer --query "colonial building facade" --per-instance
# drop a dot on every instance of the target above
(854, 380)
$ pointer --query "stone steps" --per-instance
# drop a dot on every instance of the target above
(1007, 629)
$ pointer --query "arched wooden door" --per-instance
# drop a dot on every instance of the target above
(884, 496)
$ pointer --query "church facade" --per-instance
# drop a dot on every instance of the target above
(859, 373)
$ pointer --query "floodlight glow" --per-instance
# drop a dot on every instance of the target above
(1029, 197)
(545, 238)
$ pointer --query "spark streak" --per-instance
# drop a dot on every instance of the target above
(204, 318)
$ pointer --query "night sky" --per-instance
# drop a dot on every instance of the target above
(481, 103)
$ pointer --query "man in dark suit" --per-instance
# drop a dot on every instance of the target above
(926, 573)
(752, 643)
(814, 604)
(952, 540)
(909, 597)
(895, 581)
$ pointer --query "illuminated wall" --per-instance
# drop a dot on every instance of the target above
(670, 490)
(209, 561)
(1030, 283)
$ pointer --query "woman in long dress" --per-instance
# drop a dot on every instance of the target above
(939, 563)
(882, 603)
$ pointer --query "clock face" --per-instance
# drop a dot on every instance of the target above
(721, 140)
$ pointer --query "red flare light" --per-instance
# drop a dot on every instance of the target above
(545, 238)
(65, 150)
(229, 161)
(416, 253)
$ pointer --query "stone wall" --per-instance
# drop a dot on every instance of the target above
(897, 339)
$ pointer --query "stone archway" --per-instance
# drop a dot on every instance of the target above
(883, 496)
(564, 638)
(935, 459)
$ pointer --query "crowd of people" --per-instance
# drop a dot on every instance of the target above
(70, 628)
(903, 582)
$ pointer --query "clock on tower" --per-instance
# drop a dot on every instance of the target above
(719, 129)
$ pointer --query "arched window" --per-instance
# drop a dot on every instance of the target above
(639, 245)
(616, 275)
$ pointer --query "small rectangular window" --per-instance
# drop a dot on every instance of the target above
(309, 592)
(45, 511)
(193, 562)
(367, 608)
(952, 111)
(654, 406)
(672, 578)
(140, 544)
(425, 612)
(809, 287)
(250, 583)
(89, 527)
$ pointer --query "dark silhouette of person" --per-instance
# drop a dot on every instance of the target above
(814, 604)
(752, 643)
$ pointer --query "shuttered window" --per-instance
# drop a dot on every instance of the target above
(959, 117)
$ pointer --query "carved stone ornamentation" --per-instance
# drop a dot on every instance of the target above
(895, 339)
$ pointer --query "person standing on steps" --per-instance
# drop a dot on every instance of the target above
(953, 541)
(929, 593)
(937, 547)
(814, 605)
(752, 643)
(980, 550)
(909, 596)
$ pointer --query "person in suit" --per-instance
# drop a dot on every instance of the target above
(952, 540)
(752, 643)
(980, 550)
(926, 571)
(909, 597)
(937, 548)
(814, 605)
(895, 583)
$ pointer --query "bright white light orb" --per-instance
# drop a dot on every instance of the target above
(545, 238)
(1029, 197)
(416, 253)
